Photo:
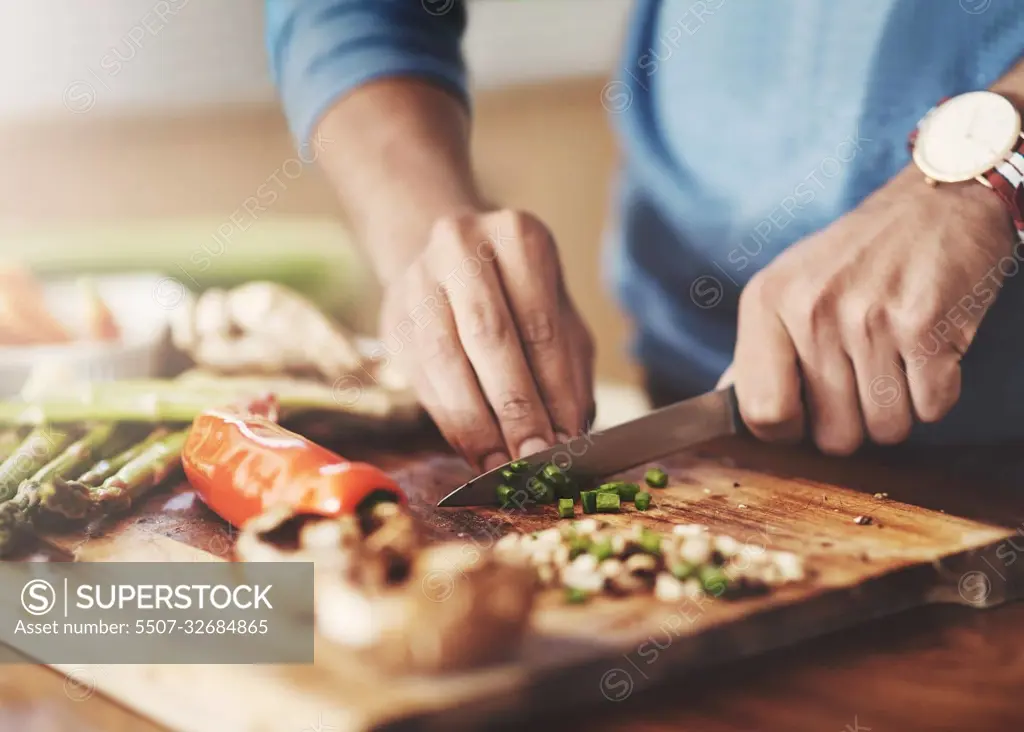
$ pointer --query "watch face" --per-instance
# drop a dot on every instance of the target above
(965, 136)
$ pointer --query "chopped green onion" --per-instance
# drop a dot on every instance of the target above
(578, 545)
(554, 473)
(650, 542)
(713, 580)
(566, 508)
(608, 502)
(681, 570)
(602, 549)
(575, 596)
(612, 487)
(510, 476)
(519, 466)
(504, 492)
(656, 478)
(627, 491)
(589, 501)
(642, 501)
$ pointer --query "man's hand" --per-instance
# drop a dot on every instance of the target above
(483, 324)
(865, 322)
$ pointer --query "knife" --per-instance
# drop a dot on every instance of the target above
(599, 454)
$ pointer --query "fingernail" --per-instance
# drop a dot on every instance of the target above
(532, 445)
(562, 437)
(494, 460)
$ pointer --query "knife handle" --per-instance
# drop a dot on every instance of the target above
(738, 424)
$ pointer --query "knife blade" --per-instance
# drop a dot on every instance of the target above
(598, 454)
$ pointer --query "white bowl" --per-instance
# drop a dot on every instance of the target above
(140, 353)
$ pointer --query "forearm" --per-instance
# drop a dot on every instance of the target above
(382, 82)
(1011, 84)
(399, 160)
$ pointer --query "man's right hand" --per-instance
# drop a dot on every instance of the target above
(484, 327)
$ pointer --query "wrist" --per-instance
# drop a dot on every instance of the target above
(395, 237)
(982, 212)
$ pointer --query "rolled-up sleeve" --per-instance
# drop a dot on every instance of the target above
(322, 49)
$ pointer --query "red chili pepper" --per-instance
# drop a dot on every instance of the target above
(242, 463)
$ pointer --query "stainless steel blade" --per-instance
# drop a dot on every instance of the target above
(599, 454)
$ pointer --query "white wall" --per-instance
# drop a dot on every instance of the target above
(119, 56)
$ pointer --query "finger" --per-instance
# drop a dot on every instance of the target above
(445, 382)
(935, 385)
(531, 278)
(767, 375)
(830, 388)
(491, 342)
(885, 402)
(582, 368)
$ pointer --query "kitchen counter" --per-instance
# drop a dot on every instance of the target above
(941, 668)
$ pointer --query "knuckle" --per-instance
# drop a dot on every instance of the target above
(538, 328)
(914, 324)
(453, 228)
(515, 407)
(485, 323)
(522, 225)
(815, 312)
(863, 318)
(438, 344)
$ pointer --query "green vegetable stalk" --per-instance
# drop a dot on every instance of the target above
(46, 488)
(139, 475)
(102, 470)
(41, 446)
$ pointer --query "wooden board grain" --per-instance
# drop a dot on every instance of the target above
(911, 554)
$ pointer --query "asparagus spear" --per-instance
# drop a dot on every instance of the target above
(41, 446)
(102, 470)
(156, 400)
(78, 455)
(46, 487)
(139, 475)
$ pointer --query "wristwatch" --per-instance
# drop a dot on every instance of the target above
(974, 135)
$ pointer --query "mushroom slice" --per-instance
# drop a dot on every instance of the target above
(405, 606)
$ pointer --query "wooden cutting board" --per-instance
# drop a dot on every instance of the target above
(935, 538)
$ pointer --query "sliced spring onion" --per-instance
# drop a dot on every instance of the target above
(579, 545)
(642, 500)
(608, 502)
(656, 478)
(589, 501)
(713, 580)
(650, 542)
(566, 508)
(519, 466)
(504, 493)
(681, 570)
(574, 596)
(628, 491)
(602, 549)
(611, 487)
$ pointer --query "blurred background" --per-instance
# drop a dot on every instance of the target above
(131, 141)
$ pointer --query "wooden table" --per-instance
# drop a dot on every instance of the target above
(942, 668)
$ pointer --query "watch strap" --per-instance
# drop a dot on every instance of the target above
(1007, 181)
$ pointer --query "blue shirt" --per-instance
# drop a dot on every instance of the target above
(745, 125)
